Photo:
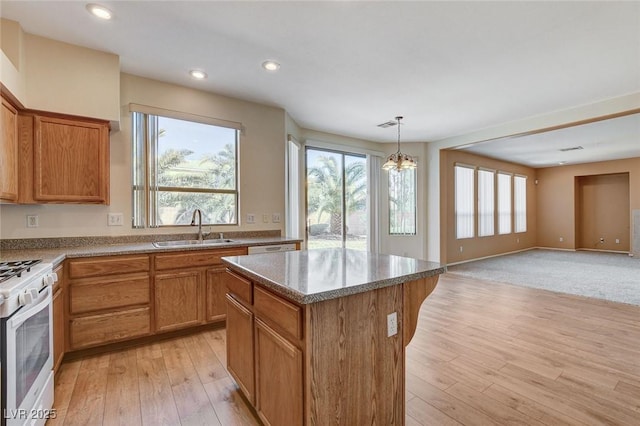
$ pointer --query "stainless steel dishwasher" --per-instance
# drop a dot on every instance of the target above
(274, 248)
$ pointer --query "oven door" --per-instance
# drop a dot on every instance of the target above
(29, 357)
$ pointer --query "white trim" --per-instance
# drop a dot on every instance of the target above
(146, 109)
(343, 148)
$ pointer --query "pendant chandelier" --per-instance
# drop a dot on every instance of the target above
(399, 161)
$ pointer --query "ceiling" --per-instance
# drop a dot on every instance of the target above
(449, 68)
(610, 139)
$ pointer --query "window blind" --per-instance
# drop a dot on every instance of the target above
(464, 201)
(486, 203)
(520, 203)
(504, 203)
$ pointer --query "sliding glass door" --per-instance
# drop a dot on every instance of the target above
(337, 207)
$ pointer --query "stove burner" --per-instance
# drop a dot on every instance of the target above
(15, 268)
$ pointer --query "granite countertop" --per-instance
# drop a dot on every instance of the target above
(322, 274)
(57, 254)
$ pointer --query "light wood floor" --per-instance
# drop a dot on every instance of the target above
(483, 354)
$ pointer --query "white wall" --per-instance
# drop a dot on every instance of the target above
(12, 59)
(49, 75)
(262, 162)
(406, 245)
(70, 79)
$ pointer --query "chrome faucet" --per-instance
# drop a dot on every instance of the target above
(193, 222)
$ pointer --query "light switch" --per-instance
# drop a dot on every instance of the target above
(275, 218)
(251, 218)
(265, 218)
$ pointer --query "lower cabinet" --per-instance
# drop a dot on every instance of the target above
(216, 309)
(240, 346)
(109, 300)
(58, 319)
(95, 330)
(116, 298)
(177, 300)
(264, 351)
(277, 362)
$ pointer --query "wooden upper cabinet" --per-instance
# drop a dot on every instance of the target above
(9, 153)
(70, 160)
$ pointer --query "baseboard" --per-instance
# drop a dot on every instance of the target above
(554, 248)
(489, 257)
(606, 251)
(535, 248)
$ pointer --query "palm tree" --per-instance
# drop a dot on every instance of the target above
(325, 189)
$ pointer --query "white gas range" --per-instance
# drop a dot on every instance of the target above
(26, 343)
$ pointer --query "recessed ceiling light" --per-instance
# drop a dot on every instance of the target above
(198, 74)
(99, 11)
(271, 65)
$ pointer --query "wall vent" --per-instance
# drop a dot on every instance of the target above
(389, 123)
(573, 148)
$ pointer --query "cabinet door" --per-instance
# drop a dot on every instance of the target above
(177, 300)
(58, 328)
(278, 366)
(216, 291)
(71, 161)
(240, 346)
(58, 319)
(9, 153)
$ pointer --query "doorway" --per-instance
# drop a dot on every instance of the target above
(603, 212)
(336, 199)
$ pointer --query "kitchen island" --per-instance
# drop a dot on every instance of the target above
(318, 337)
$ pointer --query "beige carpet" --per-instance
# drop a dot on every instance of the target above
(609, 276)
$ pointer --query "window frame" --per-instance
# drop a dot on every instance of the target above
(144, 161)
(414, 173)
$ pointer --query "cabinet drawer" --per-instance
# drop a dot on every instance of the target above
(105, 328)
(278, 311)
(108, 294)
(240, 287)
(195, 258)
(94, 267)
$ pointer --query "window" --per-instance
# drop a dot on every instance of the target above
(337, 195)
(520, 203)
(486, 202)
(402, 202)
(293, 188)
(504, 203)
(181, 165)
(464, 201)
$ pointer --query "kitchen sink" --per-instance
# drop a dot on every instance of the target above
(181, 243)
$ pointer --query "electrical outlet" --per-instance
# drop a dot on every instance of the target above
(265, 218)
(561, 239)
(32, 221)
(251, 218)
(460, 249)
(617, 240)
(392, 324)
(517, 240)
(115, 219)
(275, 218)
(601, 240)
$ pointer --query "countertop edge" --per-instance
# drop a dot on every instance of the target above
(57, 255)
(305, 299)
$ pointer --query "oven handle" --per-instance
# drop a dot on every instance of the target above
(44, 299)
